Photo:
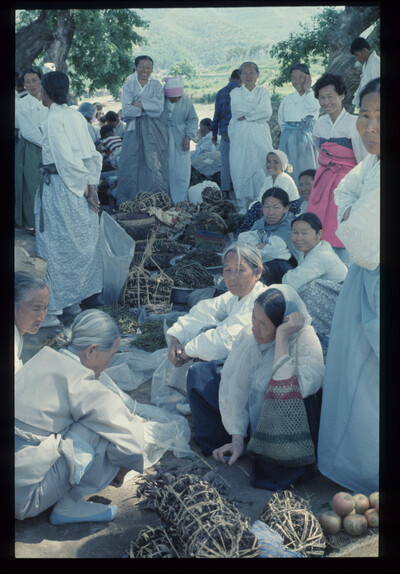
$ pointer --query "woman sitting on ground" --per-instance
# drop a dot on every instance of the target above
(264, 351)
(31, 297)
(72, 433)
(277, 163)
(208, 331)
(272, 234)
(306, 182)
(319, 274)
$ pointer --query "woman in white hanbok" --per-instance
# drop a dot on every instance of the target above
(280, 336)
(67, 204)
(249, 135)
(348, 449)
(72, 433)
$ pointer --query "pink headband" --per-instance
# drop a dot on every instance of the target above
(173, 87)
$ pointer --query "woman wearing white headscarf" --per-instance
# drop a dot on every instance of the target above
(249, 135)
(267, 348)
(180, 120)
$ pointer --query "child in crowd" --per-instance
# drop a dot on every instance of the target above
(306, 181)
(111, 146)
(276, 164)
(205, 144)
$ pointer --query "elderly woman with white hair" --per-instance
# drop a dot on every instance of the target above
(31, 297)
(180, 120)
(72, 433)
(208, 331)
(249, 135)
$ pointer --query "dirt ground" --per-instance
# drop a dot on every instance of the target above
(37, 538)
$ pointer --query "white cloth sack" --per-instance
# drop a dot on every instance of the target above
(195, 191)
(117, 250)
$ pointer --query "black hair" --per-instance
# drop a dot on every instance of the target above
(113, 116)
(235, 75)
(359, 44)
(374, 86)
(334, 80)
(277, 192)
(206, 123)
(310, 218)
(106, 129)
(273, 304)
(102, 119)
(31, 71)
(311, 172)
(301, 67)
(137, 60)
(56, 85)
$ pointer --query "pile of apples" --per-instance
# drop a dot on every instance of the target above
(353, 513)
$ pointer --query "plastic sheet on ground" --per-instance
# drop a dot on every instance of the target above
(271, 542)
(163, 430)
(207, 163)
(132, 368)
(168, 385)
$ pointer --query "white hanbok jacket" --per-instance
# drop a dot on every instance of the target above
(52, 391)
(344, 127)
(249, 367)
(18, 344)
(151, 95)
(30, 115)
(370, 70)
(294, 107)
(75, 156)
(223, 317)
(320, 263)
(360, 233)
(284, 181)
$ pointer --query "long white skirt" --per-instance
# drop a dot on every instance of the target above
(70, 243)
(250, 142)
(179, 169)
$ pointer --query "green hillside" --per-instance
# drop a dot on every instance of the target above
(217, 36)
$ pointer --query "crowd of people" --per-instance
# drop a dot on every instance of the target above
(296, 330)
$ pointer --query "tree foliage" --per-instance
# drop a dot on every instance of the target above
(99, 54)
(184, 68)
(308, 46)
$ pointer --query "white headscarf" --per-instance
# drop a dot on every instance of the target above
(283, 158)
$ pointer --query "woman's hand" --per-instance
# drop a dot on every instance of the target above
(235, 449)
(92, 198)
(138, 104)
(307, 84)
(291, 324)
(261, 245)
(186, 143)
(176, 353)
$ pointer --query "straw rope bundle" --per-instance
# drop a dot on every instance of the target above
(291, 517)
(145, 199)
(205, 257)
(201, 524)
(223, 209)
(162, 252)
(163, 200)
(152, 543)
(122, 314)
(204, 221)
(191, 275)
(187, 207)
(213, 195)
(147, 290)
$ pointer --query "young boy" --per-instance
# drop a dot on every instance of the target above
(111, 146)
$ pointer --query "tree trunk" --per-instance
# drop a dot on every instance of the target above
(56, 50)
(29, 42)
(353, 21)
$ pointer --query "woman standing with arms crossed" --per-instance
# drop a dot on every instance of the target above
(67, 205)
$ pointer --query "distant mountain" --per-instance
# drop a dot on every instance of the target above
(213, 36)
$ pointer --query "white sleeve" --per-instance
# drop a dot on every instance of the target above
(301, 275)
(28, 129)
(263, 111)
(310, 362)
(348, 190)
(276, 248)
(235, 386)
(311, 104)
(281, 113)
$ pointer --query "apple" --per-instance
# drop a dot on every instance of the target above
(361, 503)
(373, 497)
(330, 522)
(372, 516)
(355, 524)
(343, 503)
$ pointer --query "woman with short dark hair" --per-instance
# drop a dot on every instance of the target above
(340, 149)
(67, 205)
